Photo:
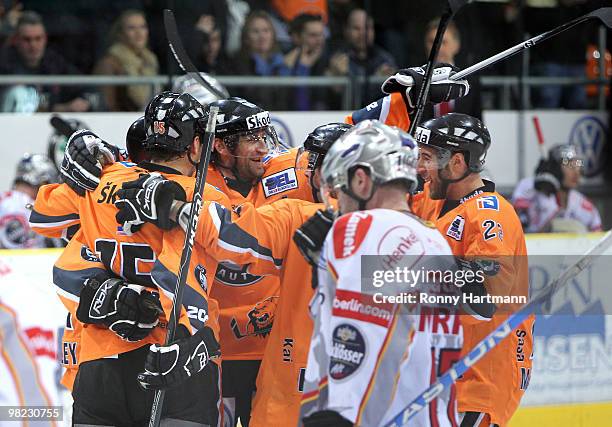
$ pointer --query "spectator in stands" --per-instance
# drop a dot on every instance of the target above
(549, 202)
(360, 56)
(309, 57)
(206, 41)
(451, 44)
(128, 55)
(260, 56)
(29, 55)
(563, 57)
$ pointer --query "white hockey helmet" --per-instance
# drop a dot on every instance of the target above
(187, 84)
(388, 153)
(36, 170)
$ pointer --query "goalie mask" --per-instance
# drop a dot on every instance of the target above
(36, 170)
(388, 154)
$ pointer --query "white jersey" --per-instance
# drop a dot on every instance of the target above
(368, 359)
(15, 232)
(538, 211)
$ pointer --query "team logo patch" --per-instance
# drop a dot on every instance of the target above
(488, 202)
(349, 232)
(455, 229)
(88, 255)
(260, 319)
(280, 182)
(347, 352)
(235, 275)
(200, 275)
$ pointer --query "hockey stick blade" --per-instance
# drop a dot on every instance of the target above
(604, 14)
(192, 225)
(61, 126)
(499, 334)
(180, 54)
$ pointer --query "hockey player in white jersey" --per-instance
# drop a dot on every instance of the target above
(33, 170)
(367, 357)
(549, 202)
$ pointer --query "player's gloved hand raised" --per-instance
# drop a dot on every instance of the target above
(310, 236)
(326, 418)
(128, 310)
(168, 366)
(81, 166)
(147, 199)
(548, 177)
(410, 80)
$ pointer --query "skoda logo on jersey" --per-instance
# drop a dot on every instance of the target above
(589, 137)
(200, 275)
(235, 275)
(283, 132)
(348, 351)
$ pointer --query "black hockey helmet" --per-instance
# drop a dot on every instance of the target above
(238, 117)
(135, 139)
(310, 155)
(172, 120)
(457, 133)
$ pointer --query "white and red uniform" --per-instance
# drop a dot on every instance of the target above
(15, 232)
(538, 210)
(369, 359)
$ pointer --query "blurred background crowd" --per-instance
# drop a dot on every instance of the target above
(365, 40)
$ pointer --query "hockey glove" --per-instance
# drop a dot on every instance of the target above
(128, 310)
(147, 199)
(168, 366)
(81, 166)
(310, 236)
(410, 80)
(549, 177)
(326, 418)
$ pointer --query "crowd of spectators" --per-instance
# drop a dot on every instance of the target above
(274, 38)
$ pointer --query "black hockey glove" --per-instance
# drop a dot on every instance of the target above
(81, 166)
(410, 80)
(310, 236)
(128, 310)
(549, 177)
(147, 199)
(326, 418)
(168, 366)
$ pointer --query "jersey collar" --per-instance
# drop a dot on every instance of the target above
(449, 205)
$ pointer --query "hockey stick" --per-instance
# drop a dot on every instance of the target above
(604, 14)
(501, 332)
(452, 8)
(180, 54)
(194, 216)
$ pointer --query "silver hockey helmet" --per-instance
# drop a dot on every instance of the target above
(187, 84)
(388, 153)
(566, 155)
(36, 170)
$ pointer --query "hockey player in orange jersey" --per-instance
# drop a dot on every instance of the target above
(483, 229)
(109, 332)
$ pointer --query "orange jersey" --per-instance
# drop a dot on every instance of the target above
(484, 226)
(69, 351)
(59, 218)
(280, 378)
(247, 302)
(391, 110)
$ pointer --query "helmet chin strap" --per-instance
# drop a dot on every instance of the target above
(234, 170)
(361, 202)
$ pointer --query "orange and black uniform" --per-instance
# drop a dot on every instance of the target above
(484, 226)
